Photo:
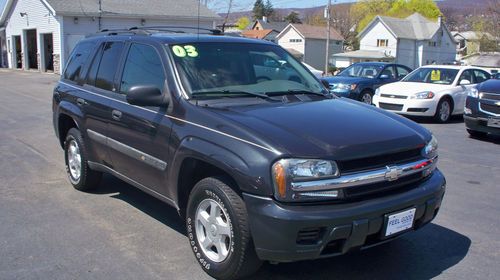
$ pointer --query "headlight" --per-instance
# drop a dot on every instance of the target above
(287, 171)
(377, 92)
(423, 95)
(346, 86)
(431, 149)
(473, 92)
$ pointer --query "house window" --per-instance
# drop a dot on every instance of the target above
(382, 42)
(432, 44)
(295, 40)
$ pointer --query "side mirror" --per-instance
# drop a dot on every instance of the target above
(464, 82)
(384, 76)
(146, 95)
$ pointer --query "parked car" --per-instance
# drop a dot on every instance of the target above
(360, 80)
(276, 170)
(496, 76)
(437, 91)
(316, 72)
(482, 109)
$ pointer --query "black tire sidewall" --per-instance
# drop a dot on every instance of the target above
(88, 179)
(225, 269)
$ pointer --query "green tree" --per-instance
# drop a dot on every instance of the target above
(268, 9)
(364, 11)
(293, 17)
(242, 23)
(259, 9)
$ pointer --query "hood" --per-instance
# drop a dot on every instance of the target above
(410, 88)
(334, 128)
(345, 79)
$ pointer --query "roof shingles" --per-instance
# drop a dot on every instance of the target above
(146, 8)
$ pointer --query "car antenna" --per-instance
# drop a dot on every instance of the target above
(199, 5)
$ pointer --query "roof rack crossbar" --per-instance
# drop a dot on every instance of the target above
(171, 28)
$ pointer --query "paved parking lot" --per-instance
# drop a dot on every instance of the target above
(50, 231)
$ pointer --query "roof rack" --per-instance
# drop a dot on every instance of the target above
(176, 29)
(111, 32)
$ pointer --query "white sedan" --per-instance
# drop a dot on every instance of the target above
(313, 70)
(437, 91)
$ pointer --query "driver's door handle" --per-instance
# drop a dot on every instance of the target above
(117, 115)
(81, 102)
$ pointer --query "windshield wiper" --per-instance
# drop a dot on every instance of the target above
(296, 91)
(230, 92)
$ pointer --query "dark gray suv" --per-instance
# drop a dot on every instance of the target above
(262, 167)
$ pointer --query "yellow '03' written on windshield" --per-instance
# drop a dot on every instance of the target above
(183, 51)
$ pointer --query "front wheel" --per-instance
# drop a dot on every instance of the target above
(218, 230)
(366, 97)
(443, 111)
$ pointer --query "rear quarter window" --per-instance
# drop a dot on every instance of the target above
(77, 60)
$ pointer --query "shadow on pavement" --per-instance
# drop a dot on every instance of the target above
(151, 206)
(423, 254)
(430, 120)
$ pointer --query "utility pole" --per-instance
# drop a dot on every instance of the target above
(328, 24)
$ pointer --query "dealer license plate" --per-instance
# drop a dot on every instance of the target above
(494, 122)
(400, 222)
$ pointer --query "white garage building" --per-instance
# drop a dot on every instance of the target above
(40, 34)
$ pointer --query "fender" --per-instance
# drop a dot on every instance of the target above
(72, 111)
(220, 157)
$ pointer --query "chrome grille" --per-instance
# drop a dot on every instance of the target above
(394, 96)
(489, 96)
(490, 108)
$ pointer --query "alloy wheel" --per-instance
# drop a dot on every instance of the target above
(212, 230)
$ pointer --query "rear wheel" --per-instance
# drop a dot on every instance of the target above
(443, 111)
(218, 231)
(80, 175)
(366, 97)
(476, 134)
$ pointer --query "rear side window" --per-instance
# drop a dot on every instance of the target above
(481, 76)
(77, 60)
(108, 65)
(143, 67)
(402, 72)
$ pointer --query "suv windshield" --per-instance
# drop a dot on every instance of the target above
(441, 76)
(362, 70)
(233, 69)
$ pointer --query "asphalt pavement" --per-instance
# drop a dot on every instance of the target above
(48, 230)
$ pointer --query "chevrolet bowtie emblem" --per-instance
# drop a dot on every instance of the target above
(393, 173)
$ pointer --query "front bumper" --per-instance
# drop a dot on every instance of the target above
(411, 107)
(480, 124)
(341, 227)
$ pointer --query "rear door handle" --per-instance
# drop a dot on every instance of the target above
(81, 102)
(117, 115)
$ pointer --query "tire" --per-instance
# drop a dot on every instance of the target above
(443, 105)
(75, 154)
(366, 97)
(227, 225)
(476, 134)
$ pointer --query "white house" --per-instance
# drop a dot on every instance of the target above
(40, 34)
(413, 41)
(308, 43)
